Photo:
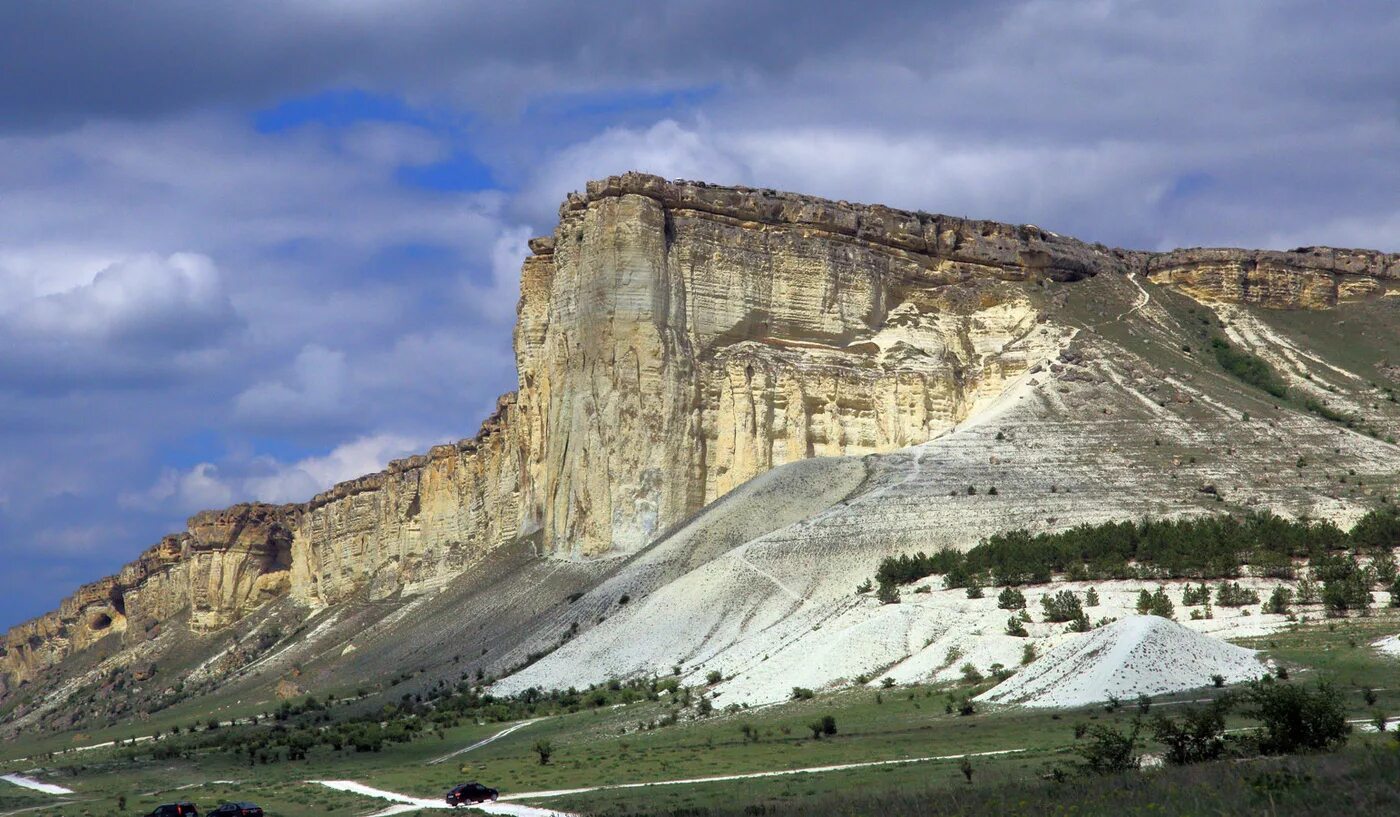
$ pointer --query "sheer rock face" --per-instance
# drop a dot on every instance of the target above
(689, 338)
(673, 340)
(1307, 278)
(415, 524)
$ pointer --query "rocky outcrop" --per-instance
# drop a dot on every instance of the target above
(674, 340)
(1306, 278)
(415, 524)
(224, 564)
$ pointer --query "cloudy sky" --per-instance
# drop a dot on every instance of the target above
(249, 249)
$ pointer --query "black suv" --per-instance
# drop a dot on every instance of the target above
(236, 810)
(175, 810)
(469, 793)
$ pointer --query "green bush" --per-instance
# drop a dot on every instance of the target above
(1197, 736)
(1011, 599)
(1234, 595)
(1279, 601)
(1195, 596)
(1105, 750)
(1155, 603)
(1294, 718)
(1061, 606)
(1247, 367)
(1346, 586)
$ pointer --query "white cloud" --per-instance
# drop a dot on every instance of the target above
(299, 481)
(666, 148)
(199, 488)
(314, 390)
(267, 479)
(179, 296)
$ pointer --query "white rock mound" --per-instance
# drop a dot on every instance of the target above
(1390, 645)
(1130, 657)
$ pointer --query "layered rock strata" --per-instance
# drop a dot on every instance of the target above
(223, 565)
(674, 340)
(1306, 278)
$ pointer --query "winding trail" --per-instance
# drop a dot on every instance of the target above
(484, 741)
(404, 802)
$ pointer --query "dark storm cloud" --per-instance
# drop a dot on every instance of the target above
(63, 62)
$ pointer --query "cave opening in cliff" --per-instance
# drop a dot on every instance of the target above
(101, 621)
(118, 601)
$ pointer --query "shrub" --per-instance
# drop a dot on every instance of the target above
(887, 682)
(887, 594)
(1308, 592)
(1233, 595)
(1027, 654)
(1016, 628)
(1345, 585)
(1155, 604)
(1279, 601)
(865, 586)
(1105, 750)
(828, 725)
(544, 750)
(1091, 598)
(1195, 596)
(713, 677)
(1294, 718)
(1062, 606)
(1011, 599)
(974, 591)
(1196, 737)
(1247, 367)
(970, 674)
(1079, 624)
(801, 693)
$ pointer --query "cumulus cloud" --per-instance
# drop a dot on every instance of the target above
(175, 300)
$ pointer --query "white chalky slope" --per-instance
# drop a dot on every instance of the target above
(1135, 656)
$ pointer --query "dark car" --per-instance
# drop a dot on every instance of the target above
(237, 810)
(468, 793)
(175, 810)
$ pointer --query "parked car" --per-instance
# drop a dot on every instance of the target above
(175, 810)
(237, 810)
(469, 793)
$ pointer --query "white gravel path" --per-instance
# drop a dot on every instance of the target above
(405, 802)
(36, 785)
(485, 741)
